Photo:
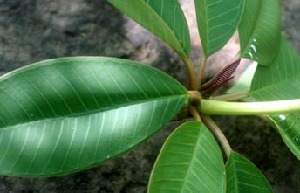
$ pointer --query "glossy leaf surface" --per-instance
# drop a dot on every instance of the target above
(280, 81)
(260, 30)
(243, 176)
(217, 22)
(61, 116)
(190, 161)
(164, 19)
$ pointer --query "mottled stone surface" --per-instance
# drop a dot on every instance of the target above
(33, 30)
(291, 21)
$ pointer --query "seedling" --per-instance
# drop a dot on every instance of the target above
(65, 115)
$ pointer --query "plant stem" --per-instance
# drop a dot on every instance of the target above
(218, 133)
(203, 64)
(191, 73)
(195, 113)
(231, 96)
(194, 97)
(216, 107)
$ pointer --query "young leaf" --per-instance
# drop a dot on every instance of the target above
(243, 176)
(61, 116)
(279, 82)
(190, 161)
(164, 19)
(260, 30)
(217, 22)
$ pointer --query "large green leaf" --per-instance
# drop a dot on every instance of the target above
(260, 30)
(281, 81)
(242, 176)
(217, 22)
(190, 161)
(164, 19)
(64, 115)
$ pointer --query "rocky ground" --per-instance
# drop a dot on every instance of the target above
(33, 30)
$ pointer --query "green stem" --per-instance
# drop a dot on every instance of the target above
(215, 107)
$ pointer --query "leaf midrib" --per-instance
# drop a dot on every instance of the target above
(99, 110)
(253, 29)
(193, 158)
(166, 26)
(280, 84)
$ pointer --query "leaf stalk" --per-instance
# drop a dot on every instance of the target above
(203, 64)
(218, 134)
(191, 73)
(216, 107)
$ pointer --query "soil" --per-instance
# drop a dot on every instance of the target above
(34, 30)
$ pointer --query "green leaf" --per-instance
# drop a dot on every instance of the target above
(288, 126)
(281, 81)
(260, 30)
(243, 176)
(190, 161)
(164, 19)
(61, 116)
(217, 22)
